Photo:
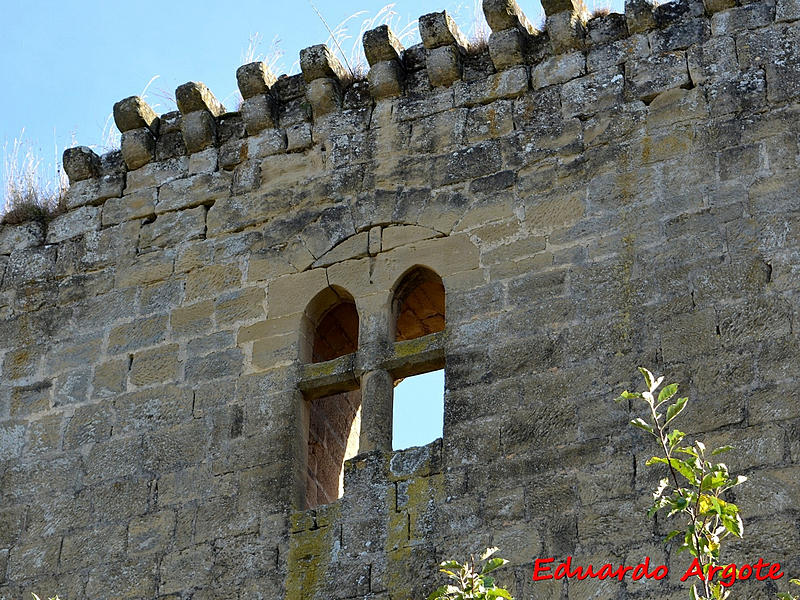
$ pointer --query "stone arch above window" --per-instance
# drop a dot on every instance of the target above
(418, 305)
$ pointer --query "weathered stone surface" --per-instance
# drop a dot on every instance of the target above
(444, 65)
(195, 96)
(138, 147)
(199, 130)
(385, 79)
(650, 76)
(381, 45)
(324, 95)
(507, 48)
(505, 14)
(254, 79)
(134, 113)
(80, 163)
(439, 29)
(19, 237)
(258, 113)
(73, 223)
(318, 62)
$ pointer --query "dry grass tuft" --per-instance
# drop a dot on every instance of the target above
(28, 195)
(600, 11)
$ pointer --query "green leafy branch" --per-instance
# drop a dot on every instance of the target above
(694, 486)
(472, 582)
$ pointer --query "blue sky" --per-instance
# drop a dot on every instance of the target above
(64, 64)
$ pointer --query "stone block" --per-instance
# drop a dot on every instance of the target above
(156, 174)
(138, 147)
(134, 113)
(217, 365)
(385, 79)
(196, 97)
(318, 62)
(298, 137)
(205, 161)
(381, 45)
(266, 143)
(566, 32)
(750, 16)
(439, 29)
(715, 6)
(199, 130)
(73, 223)
(254, 79)
(244, 305)
(173, 228)
(558, 69)
(204, 188)
(324, 95)
(232, 153)
(137, 334)
(648, 77)
(80, 163)
(443, 65)
(137, 205)
(151, 533)
(191, 321)
(158, 365)
(71, 388)
(19, 237)
(258, 113)
(787, 10)
(605, 29)
(505, 14)
(211, 280)
(593, 93)
(149, 409)
(639, 16)
(110, 378)
(510, 83)
(507, 48)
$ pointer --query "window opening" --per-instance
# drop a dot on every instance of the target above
(418, 410)
(337, 332)
(419, 302)
(334, 421)
(334, 428)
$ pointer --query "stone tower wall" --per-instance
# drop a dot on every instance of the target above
(610, 192)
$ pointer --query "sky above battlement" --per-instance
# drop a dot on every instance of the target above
(65, 64)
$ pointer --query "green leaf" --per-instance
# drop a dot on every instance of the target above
(493, 564)
(667, 392)
(786, 596)
(795, 581)
(712, 481)
(626, 395)
(674, 410)
(672, 534)
(437, 593)
(655, 460)
(720, 450)
(450, 564)
(488, 552)
(733, 524)
(498, 593)
(642, 424)
(648, 377)
(675, 437)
